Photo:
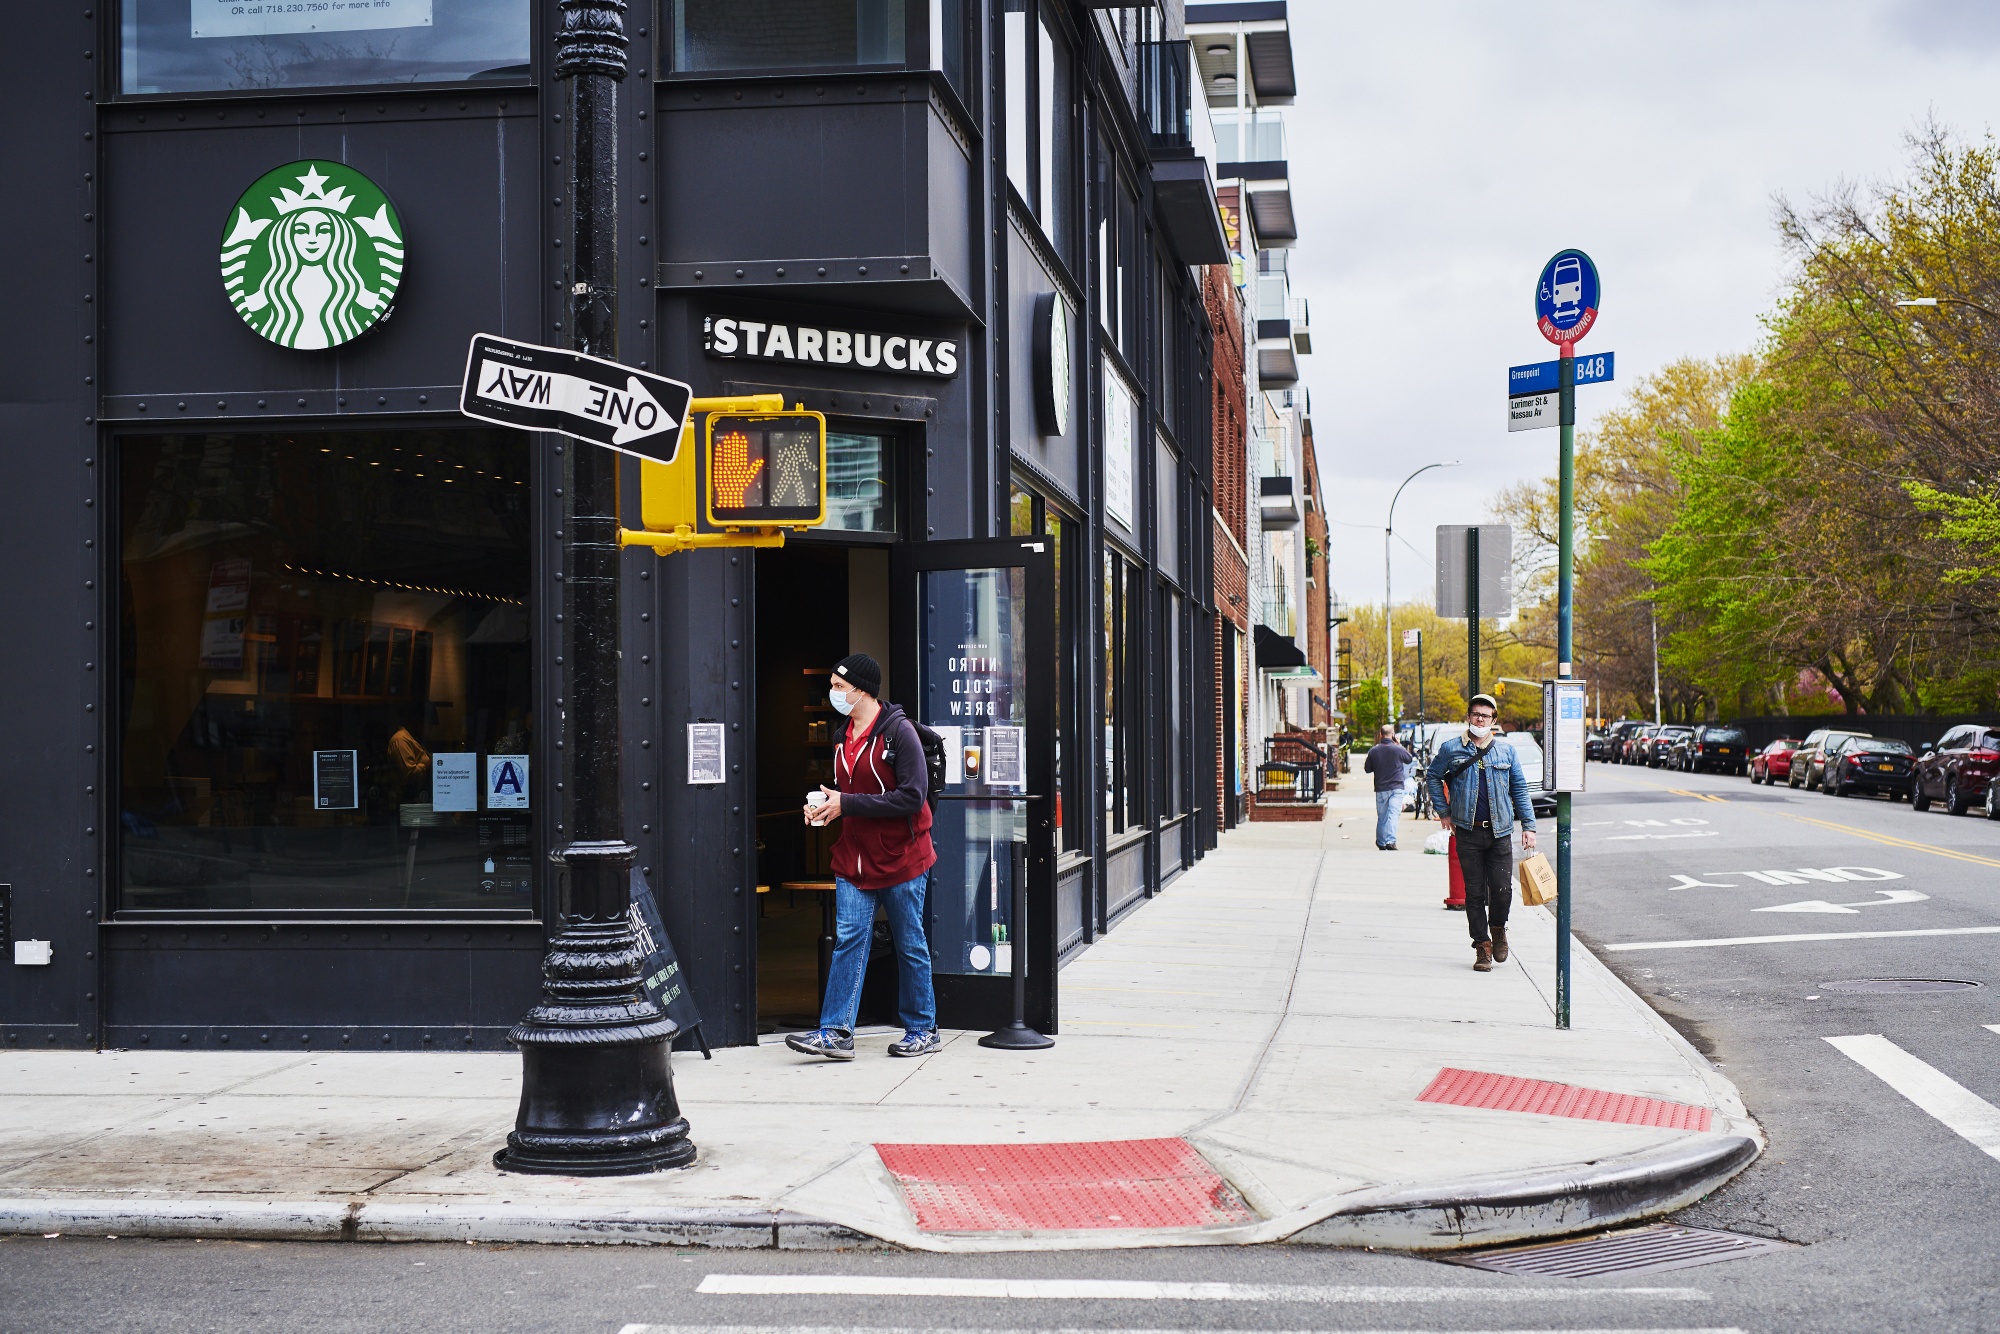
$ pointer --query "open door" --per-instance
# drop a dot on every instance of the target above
(974, 628)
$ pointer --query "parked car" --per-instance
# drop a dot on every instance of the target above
(1867, 764)
(1804, 771)
(1630, 746)
(1528, 752)
(1774, 762)
(1718, 750)
(1957, 770)
(1660, 754)
(1596, 746)
(1993, 800)
(1621, 732)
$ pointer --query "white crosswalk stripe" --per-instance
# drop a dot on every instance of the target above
(1957, 1107)
(852, 1329)
(1103, 1289)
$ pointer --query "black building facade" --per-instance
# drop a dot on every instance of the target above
(286, 650)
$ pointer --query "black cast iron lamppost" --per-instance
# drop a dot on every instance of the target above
(597, 1088)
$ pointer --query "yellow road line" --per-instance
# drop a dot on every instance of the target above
(1893, 841)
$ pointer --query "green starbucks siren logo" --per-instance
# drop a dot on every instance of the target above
(312, 255)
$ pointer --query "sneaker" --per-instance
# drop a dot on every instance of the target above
(916, 1042)
(835, 1046)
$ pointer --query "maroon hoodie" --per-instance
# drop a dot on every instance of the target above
(885, 820)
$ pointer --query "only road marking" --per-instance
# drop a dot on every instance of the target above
(1786, 940)
(1959, 1108)
(1114, 1289)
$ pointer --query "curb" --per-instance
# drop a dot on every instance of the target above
(311, 1220)
(1475, 1213)
(1536, 1207)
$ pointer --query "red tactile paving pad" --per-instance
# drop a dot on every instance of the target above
(1510, 1093)
(1105, 1183)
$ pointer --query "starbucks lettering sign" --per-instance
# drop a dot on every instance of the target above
(312, 255)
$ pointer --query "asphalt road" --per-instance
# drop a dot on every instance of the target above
(1891, 1208)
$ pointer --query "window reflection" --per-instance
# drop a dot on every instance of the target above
(860, 483)
(779, 34)
(325, 670)
(192, 46)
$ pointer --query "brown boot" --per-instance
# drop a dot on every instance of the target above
(1499, 943)
(1482, 957)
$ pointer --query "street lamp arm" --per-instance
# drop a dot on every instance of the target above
(1389, 592)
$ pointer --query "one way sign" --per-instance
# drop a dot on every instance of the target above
(547, 389)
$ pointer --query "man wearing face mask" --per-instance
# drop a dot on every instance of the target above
(883, 855)
(1488, 792)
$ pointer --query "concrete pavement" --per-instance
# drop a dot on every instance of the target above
(1280, 1007)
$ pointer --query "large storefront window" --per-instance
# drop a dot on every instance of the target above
(324, 673)
(784, 34)
(200, 46)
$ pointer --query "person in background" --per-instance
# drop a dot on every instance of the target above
(882, 855)
(1390, 763)
(1488, 792)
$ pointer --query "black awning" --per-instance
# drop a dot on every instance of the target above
(1276, 650)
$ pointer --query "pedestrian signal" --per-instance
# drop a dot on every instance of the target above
(766, 469)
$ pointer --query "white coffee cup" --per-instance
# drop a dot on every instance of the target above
(815, 800)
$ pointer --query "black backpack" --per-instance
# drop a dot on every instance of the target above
(933, 747)
(933, 744)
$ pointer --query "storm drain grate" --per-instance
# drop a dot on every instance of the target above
(1899, 984)
(1637, 1250)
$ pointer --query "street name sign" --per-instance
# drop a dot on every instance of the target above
(1533, 412)
(536, 388)
(1566, 297)
(1545, 377)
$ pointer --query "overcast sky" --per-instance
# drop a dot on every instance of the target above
(1441, 152)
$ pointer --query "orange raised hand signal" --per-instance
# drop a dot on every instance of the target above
(731, 470)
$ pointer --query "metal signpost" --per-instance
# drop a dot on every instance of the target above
(1471, 587)
(1566, 306)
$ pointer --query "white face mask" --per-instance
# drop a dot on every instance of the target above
(1480, 730)
(843, 703)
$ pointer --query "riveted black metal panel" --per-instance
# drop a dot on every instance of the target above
(462, 170)
(51, 592)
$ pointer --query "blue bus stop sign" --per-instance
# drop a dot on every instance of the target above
(1566, 297)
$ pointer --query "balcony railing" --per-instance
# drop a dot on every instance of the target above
(1165, 102)
(1250, 136)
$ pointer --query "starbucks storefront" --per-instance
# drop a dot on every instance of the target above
(285, 708)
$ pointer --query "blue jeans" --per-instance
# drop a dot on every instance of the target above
(854, 913)
(1388, 809)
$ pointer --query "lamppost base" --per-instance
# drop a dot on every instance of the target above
(1017, 1036)
(658, 1150)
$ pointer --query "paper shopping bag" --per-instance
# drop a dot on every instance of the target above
(1538, 880)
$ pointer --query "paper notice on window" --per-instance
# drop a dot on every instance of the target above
(954, 755)
(705, 753)
(1006, 765)
(455, 781)
(264, 18)
(336, 780)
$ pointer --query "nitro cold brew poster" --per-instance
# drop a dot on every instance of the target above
(975, 695)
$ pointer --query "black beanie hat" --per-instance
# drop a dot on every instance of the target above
(861, 670)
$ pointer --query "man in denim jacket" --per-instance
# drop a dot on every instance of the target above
(1488, 793)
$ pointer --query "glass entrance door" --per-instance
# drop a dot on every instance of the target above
(970, 621)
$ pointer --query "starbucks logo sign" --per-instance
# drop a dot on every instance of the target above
(312, 255)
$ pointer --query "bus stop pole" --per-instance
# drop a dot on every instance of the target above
(1565, 667)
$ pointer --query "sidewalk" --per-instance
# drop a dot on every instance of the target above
(1280, 1008)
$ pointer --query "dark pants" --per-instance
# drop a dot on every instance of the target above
(1486, 860)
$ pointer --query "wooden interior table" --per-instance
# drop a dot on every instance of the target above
(827, 922)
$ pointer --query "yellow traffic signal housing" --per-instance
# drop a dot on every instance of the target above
(765, 470)
(761, 471)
